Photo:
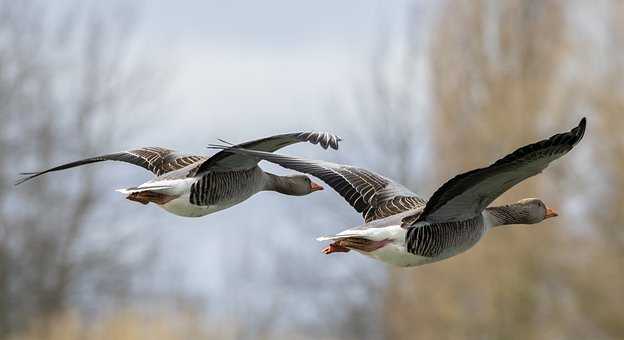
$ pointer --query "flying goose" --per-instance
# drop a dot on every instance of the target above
(403, 229)
(193, 186)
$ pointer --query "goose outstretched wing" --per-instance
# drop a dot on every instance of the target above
(371, 194)
(155, 159)
(466, 195)
(226, 161)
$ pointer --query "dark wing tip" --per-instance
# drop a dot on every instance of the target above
(326, 139)
(25, 176)
(225, 142)
(568, 139)
(579, 131)
(574, 136)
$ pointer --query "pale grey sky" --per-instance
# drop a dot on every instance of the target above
(262, 66)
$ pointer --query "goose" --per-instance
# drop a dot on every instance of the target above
(403, 229)
(193, 186)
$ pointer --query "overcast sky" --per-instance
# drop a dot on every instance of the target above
(265, 66)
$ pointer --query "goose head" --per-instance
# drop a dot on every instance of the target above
(296, 185)
(525, 211)
(534, 210)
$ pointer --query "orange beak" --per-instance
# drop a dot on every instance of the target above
(315, 187)
(550, 213)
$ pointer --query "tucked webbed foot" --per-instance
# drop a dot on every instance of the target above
(145, 197)
(335, 248)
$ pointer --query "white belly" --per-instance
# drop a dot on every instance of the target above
(181, 206)
(397, 255)
(394, 253)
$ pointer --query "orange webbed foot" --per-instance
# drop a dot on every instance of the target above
(335, 248)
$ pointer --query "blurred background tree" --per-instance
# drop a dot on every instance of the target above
(66, 75)
(502, 74)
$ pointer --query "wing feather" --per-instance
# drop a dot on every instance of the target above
(467, 194)
(225, 160)
(373, 195)
(155, 159)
